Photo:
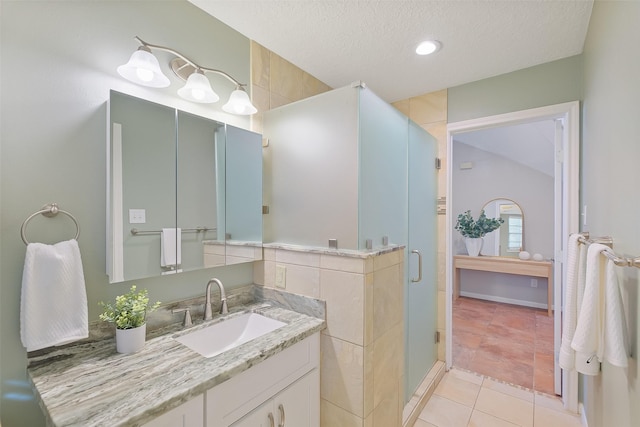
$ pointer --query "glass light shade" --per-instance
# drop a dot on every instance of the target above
(143, 68)
(198, 89)
(239, 103)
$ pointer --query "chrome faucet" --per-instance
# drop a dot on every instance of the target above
(223, 299)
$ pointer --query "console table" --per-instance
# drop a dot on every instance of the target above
(497, 264)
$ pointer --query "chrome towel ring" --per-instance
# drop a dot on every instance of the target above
(50, 210)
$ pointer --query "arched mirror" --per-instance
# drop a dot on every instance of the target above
(508, 240)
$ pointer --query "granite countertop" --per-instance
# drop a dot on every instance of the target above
(91, 385)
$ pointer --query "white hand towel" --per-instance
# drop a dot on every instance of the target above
(570, 318)
(588, 334)
(53, 305)
(171, 247)
(615, 348)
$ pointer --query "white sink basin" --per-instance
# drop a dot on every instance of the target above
(228, 334)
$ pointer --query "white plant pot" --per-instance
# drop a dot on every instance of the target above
(474, 244)
(131, 340)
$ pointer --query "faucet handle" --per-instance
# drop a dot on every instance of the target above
(187, 315)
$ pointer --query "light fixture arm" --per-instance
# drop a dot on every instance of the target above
(190, 62)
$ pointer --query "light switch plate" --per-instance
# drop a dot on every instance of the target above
(281, 276)
(137, 216)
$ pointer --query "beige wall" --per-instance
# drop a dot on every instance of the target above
(276, 82)
(430, 112)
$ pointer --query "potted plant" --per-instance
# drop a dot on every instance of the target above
(129, 314)
(474, 230)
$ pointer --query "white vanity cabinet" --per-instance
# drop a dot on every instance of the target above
(293, 407)
(285, 386)
(189, 414)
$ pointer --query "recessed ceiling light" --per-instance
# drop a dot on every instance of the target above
(427, 47)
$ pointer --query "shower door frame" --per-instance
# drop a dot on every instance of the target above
(567, 217)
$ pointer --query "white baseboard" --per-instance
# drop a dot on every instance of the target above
(583, 415)
(503, 300)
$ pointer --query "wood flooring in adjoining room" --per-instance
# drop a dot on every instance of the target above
(510, 343)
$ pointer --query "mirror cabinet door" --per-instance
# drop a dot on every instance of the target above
(201, 187)
(142, 183)
(197, 179)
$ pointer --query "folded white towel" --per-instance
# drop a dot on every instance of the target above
(588, 333)
(171, 247)
(570, 318)
(601, 331)
(615, 348)
(53, 305)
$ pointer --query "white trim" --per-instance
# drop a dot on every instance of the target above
(583, 416)
(116, 269)
(570, 113)
(503, 300)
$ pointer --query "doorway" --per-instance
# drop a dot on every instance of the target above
(565, 210)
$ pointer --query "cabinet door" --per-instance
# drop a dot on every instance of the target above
(299, 404)
(262, 416)
(189, 414)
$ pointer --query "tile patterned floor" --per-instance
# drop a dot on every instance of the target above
(510, 343)
(464, 399)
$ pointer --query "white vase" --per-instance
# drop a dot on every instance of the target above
(131, 340)
(474, 244)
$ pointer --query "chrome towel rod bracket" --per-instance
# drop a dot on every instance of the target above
(49, 210)
(620, 261)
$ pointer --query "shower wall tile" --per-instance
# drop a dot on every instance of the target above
(260, 65)
(364, 335)
(285, 79)
(429, 108)
(302, 280)
(332, 415)
(388, 299)
(345, 297)
(342, 374)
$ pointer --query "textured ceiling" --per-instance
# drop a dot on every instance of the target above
(374, 41)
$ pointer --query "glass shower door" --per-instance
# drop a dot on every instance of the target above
(421, 291)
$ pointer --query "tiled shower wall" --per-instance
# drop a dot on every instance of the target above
(430, 112)
(362, 353)
(362, 375)
(276, 82)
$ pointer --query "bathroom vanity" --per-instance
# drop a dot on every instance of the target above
(274, 376)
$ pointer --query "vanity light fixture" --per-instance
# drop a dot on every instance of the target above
(428, 47)
(143, 68)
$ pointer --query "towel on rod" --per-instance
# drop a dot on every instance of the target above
(53, 303)
(570, 318)
(171, 247)
(600, 334)
(615, 348)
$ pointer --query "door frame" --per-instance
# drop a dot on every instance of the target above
(569, 113)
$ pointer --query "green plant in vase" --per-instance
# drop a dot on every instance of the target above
(474, 230)
(130, 310)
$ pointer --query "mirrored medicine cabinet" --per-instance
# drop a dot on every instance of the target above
(184, 191)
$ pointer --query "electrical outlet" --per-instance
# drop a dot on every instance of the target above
(281, 276)
(534, 283)
(137, 216)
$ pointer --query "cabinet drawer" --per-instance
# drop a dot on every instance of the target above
(231, 400)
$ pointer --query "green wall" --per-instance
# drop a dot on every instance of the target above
(547, 84)
(58, 65)
(610, 177)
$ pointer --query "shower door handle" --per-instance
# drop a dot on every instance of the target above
(417, 252)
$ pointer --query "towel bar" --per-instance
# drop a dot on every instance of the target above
(617, 260)
(50, 210)
(136, 232)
